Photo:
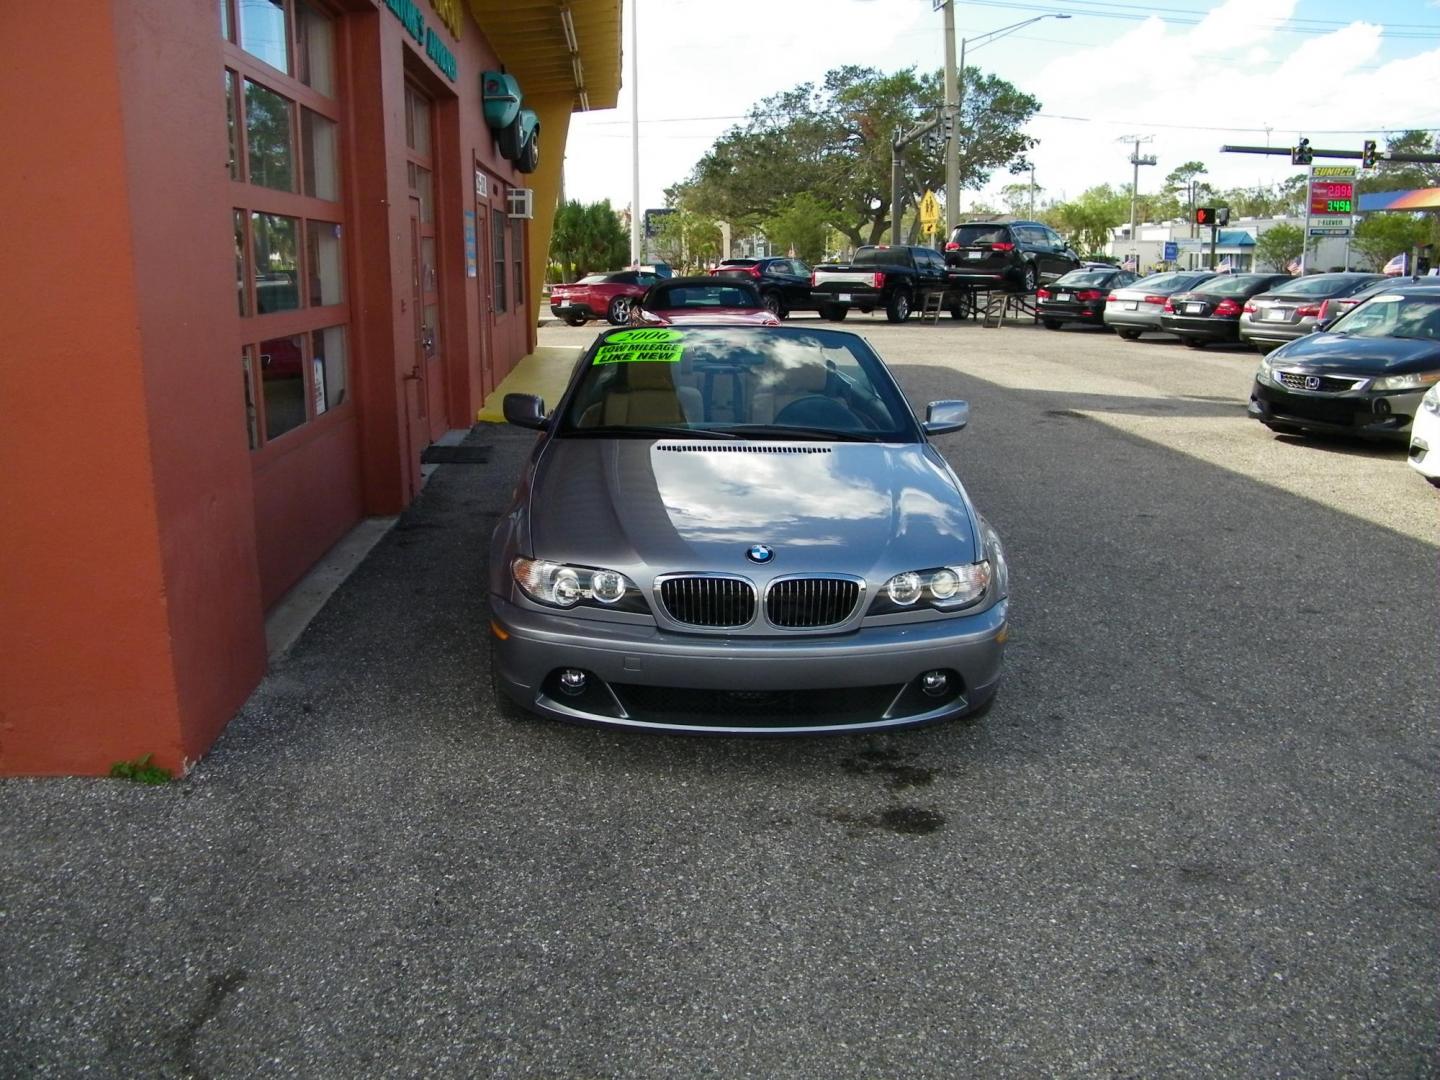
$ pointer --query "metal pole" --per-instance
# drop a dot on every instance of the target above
(959, 112)
(1305, 240)
(1032, 191)
(895, 151)
(1214, 233)
(952, 113)
(635, 250)
(1134, 193)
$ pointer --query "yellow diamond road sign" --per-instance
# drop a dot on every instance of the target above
(929, 211)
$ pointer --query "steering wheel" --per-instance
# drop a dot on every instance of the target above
(820, 412)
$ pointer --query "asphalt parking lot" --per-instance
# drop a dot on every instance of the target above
(1196, 834)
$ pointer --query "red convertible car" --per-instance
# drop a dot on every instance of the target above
(608, 296)
(703, 301)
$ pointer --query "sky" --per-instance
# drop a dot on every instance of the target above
(1187, 75)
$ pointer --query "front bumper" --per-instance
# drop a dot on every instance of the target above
(1425, 444)
(1362, 413)
(864, 680)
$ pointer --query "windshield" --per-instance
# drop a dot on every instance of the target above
(593, 279)
(1079, 278)
(1236, 285)
(966, 235)
(725, 293)
(1393, 315)
(1320, 285)
(881, 256)
(1158, 282)
(727, 382)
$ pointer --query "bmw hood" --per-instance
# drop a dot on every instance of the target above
(648, 507)
(1322, 353)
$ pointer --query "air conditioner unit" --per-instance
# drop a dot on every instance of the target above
(521, 202)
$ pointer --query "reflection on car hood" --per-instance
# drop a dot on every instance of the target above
(656, 506)
(1338, 353)
(710, 317)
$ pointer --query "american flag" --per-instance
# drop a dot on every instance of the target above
(1293, 266)
(1395, 266)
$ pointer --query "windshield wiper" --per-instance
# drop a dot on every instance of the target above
(766, 430)
(652, 430)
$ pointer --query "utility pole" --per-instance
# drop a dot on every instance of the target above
(952, 114)
(1032, 191)
(1136, 161)
(635, 249)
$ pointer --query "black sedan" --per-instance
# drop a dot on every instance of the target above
(1079, 296)
(1211, 312)
(1363, 376)
(784, 284)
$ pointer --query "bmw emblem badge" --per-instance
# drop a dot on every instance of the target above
(759, 553)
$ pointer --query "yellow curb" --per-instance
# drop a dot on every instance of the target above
(544, 372)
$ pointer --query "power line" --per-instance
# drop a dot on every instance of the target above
(1137, 16)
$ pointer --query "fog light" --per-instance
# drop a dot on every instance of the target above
(934, 683)
(572, 681)
(1382, 406)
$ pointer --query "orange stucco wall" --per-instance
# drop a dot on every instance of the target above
(143, 539)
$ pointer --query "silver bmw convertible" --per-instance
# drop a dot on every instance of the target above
(742, 530)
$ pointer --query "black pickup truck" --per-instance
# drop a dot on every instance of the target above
(880, 276)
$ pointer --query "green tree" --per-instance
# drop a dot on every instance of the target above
(1382, 236)
(687, 240)
(1173, 201)
(587, 238)
(1087, 221)
(832, 142)
(801, 222)
(1278, 245)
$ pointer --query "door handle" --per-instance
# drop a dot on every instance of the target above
(414, 375)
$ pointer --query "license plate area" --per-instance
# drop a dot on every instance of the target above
(1277, 315)
(1130, 305)
(1062, 296)
(843, 297)
(974, 254)
(1194, 309)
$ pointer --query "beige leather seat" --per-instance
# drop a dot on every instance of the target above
(647, 394)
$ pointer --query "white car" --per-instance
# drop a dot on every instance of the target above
(1425, 437)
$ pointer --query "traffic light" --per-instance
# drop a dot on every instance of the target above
(1222, 215)
(1205, 215)
(1301, 154)
(1367, 156)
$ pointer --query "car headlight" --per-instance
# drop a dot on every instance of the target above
(563, 586)
(1266, 371)
(947, 588)
(1431, 401)
(1417, 381)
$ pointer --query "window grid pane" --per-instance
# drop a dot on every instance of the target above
(269, 121)
(252, 418)
(315, 56)
(242, 299)
(497, 255)
(264, 33)
(326, 264)
(277, 264)
(282, 373)
(321, 139)
(230, 124)
(331, 370)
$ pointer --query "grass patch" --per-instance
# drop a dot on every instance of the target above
(140, 771)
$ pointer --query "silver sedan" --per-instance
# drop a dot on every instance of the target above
(742, 530)
(1136, 309)
(1297, 307)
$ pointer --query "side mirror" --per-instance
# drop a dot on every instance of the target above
(942, 417)
(525, 410)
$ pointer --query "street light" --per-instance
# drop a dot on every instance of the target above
(955, 97)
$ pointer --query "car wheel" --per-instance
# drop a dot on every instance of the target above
(1129, 335)
(1031, 281)
(618, 313)
(957, 312)
(898, 309)
(574, 320)
(833, 312)
(1051, 324)
(772, 303)
(1193, 343)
